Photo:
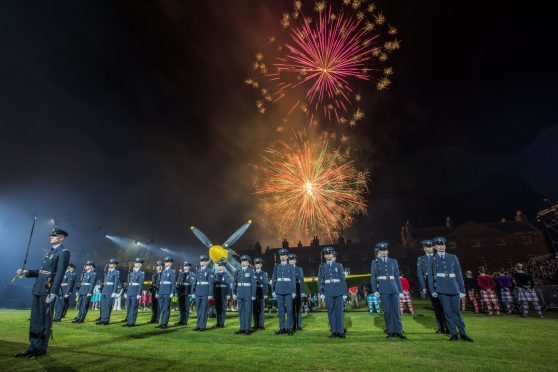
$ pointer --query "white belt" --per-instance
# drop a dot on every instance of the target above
(260, 285)
(383, 277)
(63, 284)
(184, 284)
(203, 283)
(44, 272)
(283, 279)
(166, 282)
(134, 283)
(327, 281)
(245, 284)
(85, 283)
(452, 275)
(222, 285)
(109, 283)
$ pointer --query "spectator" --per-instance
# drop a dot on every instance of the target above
(96, 298)
(505, 282)
(525, 291)
(353, 294)
(487, 287)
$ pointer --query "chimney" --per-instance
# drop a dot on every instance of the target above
(299, 245)
(285, 243)
(341, 241)
(315, 242)
(449, 222)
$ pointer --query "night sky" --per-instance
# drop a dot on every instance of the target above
(132, 119)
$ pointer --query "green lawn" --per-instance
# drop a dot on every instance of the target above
(501, 343)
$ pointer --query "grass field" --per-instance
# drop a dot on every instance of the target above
(501, 343)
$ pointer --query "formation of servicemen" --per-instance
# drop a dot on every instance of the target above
(439, 276)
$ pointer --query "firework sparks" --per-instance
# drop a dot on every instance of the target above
(324, 55)
(309, 187)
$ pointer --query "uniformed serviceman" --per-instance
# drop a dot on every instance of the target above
(445, 281)
(46, 288)
(167, 290)
(154, 289)
(184, 290)
(262, 284)
(332, 289)
(221, 292)
(244, 294)
(203, 292)
(384, 277)
(85, 291)
(133, 293)
(300, 294)
(284, 289)
(109, 291)
(66, 289)
(422, 271)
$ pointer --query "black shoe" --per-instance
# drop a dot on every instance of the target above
(152, 322)
(439, 332)
(179, 323)
(98, 319)
(102, 323)
(390, 336)
(299, 328)
(163, 326)
(75, 321)
(290, 332)
(341, 335)
(238, 332)
(196, 329)
(262, 328)
(466, 338)
(333, 335)
(453, 338)
(255, 328)
(281, 331)
(24, 354)
(247, 333)
(56, 320)
(126, 325)
(37, 354)
(401, 336)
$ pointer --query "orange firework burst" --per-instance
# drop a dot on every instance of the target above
(307, 186)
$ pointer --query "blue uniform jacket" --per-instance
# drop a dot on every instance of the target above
(299, 275)
(331, 280)
(110, 284)
(135, 283)
(422, 270)
(185, 283)
(68, 283)
(87, 285)
(167, 282)
(262, 283)
(50, 276)
(203, 282)
(245, 283)
(384, 276)
(283, 280)
(222, 284)
(444, 275)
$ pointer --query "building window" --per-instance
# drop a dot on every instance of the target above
(311, 259)
(500, 242)
(346, 258)
(476, 243)
(481, 263)
(506, 260)
(452, 245)
(404, 269)
(525, 240)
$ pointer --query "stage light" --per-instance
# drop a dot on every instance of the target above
(138, 242)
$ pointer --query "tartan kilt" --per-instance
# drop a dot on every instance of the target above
(472, 294)
(524, 295)
(506, 295)
(406, 297)
(488, 295)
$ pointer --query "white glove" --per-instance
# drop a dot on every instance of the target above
(424, 291)
(125, 295)
(344, 298)
(156, 295)
(265, 296)
(193, 295)
(434, 294)
(400, 295)
(322, 297)
(234, 297)
(462, 295)
(22, 273)
(253, 298)
(210, 297)
(304, 295)
(274, 295)
(376, 294)
(294, 295)
(172, 296)
(89, 295)
(66, 296)
(114, 295)
(228, 297)
(137, 297)
(50, 298)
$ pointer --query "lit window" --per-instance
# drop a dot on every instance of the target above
(506, 260)
(452, 245)
(500, 242)
(476, 243)
(481, 263)
(525, 240)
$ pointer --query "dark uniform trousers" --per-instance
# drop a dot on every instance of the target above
(131, 310)
(285, 305)
(438, 312)
(335, 306)
(450, 304)
(83, 306)
(392, 316)
(41, 321)
(201, 311)
(221, 307)
(259, 308)
(61, 307)
(297, 308)
(164, 308)
(184, 306)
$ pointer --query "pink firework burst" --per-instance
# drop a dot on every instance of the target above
(324, 58)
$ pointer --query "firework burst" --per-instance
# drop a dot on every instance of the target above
(322, 57)
(309, 187)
